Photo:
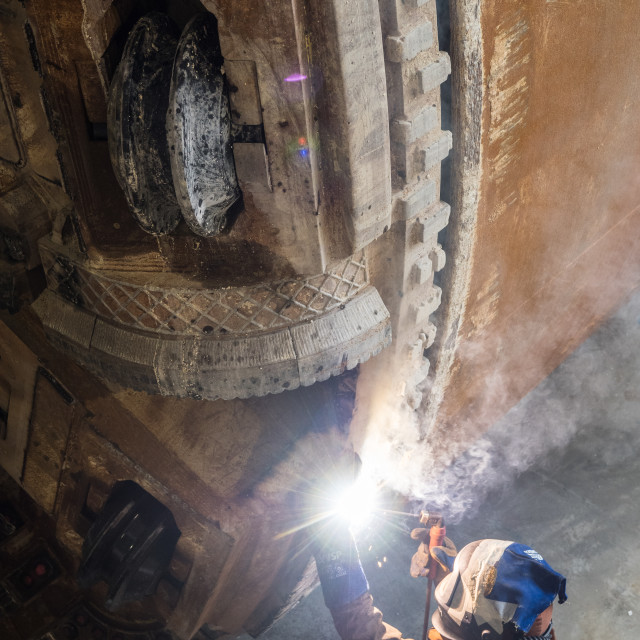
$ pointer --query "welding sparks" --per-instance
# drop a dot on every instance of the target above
(354, 504)
(357, 503)
(348, 495)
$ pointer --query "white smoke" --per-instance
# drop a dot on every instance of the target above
(395, 453)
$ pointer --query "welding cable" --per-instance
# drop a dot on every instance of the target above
(436, 539)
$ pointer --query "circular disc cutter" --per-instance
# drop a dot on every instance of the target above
(136, 117)
(199, 130)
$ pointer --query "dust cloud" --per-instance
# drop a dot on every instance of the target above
(430, 474)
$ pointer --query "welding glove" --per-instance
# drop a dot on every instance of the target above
(341, 575)
(444, 556)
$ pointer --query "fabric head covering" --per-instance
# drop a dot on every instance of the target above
(494, 583)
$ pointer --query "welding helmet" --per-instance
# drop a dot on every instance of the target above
(496, 591)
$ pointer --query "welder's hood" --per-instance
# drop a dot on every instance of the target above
(493, 583)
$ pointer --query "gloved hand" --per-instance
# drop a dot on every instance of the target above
(444, 556)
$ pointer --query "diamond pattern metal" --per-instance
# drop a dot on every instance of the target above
(241, 310)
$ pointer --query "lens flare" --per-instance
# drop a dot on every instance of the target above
(295, 77)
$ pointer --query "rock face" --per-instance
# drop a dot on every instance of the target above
(136, 121)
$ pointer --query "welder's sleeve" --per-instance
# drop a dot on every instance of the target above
(360, 620)
(346, 590)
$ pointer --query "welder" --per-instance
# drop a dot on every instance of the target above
(491, 590)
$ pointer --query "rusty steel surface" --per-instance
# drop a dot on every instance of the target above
(548, 197)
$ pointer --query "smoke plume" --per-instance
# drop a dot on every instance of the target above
(395, 454)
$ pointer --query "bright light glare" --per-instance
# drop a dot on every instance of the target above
(357, 504)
